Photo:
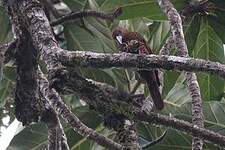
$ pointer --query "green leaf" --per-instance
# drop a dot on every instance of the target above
(140, 8)
(170, 79)
(217, 21)
(14, 128)
(131, 8)
(76, 5)
(5, 26)
(10, 73)
(213, 115)
(80, 39)
(179, 94)
(5, 91)
(213, 120)
(191, 31)
(210, 47)
(159, 32)
(35, 136)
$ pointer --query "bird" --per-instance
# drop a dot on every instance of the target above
(134, 42)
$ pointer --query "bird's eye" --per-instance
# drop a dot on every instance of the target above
(119, 38)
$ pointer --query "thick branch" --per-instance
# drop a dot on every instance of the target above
(43, 38)
(28, 105)
(125, 60)
(178, 35)
(33, 17)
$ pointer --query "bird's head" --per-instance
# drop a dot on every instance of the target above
(119, 34)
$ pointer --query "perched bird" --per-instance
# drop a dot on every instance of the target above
(133, 42)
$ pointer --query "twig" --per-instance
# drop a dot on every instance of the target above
(178, 36)
(169, 45)
(7, 51)
(136, 86)
(77, 15)
(56, 137)
(166, 49)
(156, 141)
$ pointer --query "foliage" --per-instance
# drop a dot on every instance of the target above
(204, 33)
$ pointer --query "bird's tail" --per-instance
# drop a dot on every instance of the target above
(151, 79)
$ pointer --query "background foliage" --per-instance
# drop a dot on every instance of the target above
(204, 33)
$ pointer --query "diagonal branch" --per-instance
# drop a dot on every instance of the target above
(56, 136)
(178, 35)
(7, 51)
(57, 103)
(181, 125)
(90, 13)
(169, 45)
(166, 49)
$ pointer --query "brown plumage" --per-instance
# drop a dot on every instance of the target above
(133, 42)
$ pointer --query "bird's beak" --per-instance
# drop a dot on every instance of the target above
(119, 38)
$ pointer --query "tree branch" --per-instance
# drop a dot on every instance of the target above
(126, 60)
(56, 137)
(178, 36)
(29, 105)
(33, 18)
(7, 51)
(168, 46)
(127, 135)
(182, 126)
(57, 103)
(51, 52)
(90, 13)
